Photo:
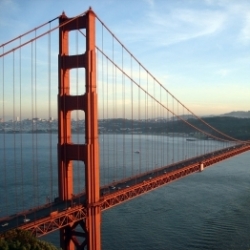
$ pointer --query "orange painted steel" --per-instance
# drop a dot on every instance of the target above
(65, 180)
(93, 220)
(56, 221)
(121, 196)
(79, 212)
(88, 152)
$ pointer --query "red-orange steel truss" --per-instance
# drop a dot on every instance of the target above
(68, 151)
(78, 213)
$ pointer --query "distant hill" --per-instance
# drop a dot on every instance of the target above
(235, 127)
(238, 114)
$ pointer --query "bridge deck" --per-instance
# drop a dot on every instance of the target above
(58, 215)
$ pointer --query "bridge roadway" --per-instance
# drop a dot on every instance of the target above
(59, 214)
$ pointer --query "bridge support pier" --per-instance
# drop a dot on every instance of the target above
(72, 239)
(201, 167)
(67, 150)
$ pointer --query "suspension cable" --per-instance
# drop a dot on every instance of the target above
(199, 118)
(172, 112)
(41, 35)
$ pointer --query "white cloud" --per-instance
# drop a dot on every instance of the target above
(185, 24)
(245, 31)
(238, 16)
(166, 26)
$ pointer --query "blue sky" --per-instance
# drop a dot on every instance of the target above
(198, 49)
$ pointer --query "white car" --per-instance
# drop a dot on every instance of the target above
(25, 220)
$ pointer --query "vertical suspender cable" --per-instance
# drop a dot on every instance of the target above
(108, 140)
(166, 132)
(167, 128)
(173, 141)
(77, 188)
(177, 136)
(156, 141)
(102, 163)
(20, 128)
(183, 134)
(161, 131)
(139, 118)
(153, 119)
(14, 128)
(123, 116)
(147, 128)
(32, 120)
(158, 136)
(50, 118)
(113, 113)
(5, 193)
(116, 148)
(132, 117)
(204, 144)
(36, 135)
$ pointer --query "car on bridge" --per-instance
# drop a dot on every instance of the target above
(25, 220)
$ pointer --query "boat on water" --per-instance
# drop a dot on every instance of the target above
(190, 139)
(137, 152)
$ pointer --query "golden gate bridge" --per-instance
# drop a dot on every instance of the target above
(118, 132)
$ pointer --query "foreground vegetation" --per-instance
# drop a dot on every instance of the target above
(22, 240)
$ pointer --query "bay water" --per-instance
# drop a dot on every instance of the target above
(207, 210)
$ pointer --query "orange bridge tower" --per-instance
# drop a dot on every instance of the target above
(67, 150)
